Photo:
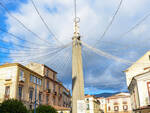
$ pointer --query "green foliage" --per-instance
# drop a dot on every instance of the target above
(12, 106)
(45, 109)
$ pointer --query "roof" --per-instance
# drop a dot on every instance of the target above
(148, 52)
(134, 78)
(119, 95)
(88, 96)
(59, 108)
(20, 65)
(49, 68)
(43, 65)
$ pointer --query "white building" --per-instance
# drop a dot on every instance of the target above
(92, 104)
(140, 93)
(138, 82)
(138, 67)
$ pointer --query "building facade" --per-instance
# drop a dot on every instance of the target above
(140, 66)
(103, 104)
(140, 93)
(19, 82)
(138, 82)
(54, 92)
(92, 104)
(23, 82)
(119, 103)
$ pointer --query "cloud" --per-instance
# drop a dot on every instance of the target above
(100, 72)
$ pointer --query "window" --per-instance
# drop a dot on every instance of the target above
(87, 107)
(21, 74)
(31, 95)
(125, 107)
(54, 101)
(30, 107)
(37, 80)
(148, 88)
(116, 108)
(47, 72)
(20, 93)
(54, 76)
(34, 80)
(54, 87)
(44, 84)
(59, 90)
(7, 91)
(40, 96)
(31, 78)
(47, 99)
(108, 108)
(47, 85)
(40, 82)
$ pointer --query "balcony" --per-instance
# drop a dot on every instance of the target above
(54, 93)
(48, 90)
(8, 78)
(60, 95)
(21, 79)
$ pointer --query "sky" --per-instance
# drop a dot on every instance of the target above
(101, 74)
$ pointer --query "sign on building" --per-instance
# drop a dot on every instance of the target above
(81, 106)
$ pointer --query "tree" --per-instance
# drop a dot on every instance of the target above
(45, 109)
(12, 106)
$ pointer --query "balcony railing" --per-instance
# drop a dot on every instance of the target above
(21, 79)
(48, 90)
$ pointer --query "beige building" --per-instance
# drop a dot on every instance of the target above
(119, 103)
(53, 90)
(92, 104)
(19, 82)
(137, 77)
(16, 82)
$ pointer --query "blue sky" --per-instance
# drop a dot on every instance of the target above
(101, 74)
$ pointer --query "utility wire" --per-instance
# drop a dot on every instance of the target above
(24, 50)
(44, 22)
(107, 55)
(41, 56)
(13, 35)
(20, 38)
(109, 25)
(136, 25)
(23, 25)
(49, 53)
(24, 53)
(22, 56)
(20, 45)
